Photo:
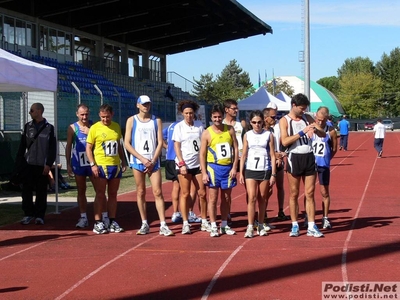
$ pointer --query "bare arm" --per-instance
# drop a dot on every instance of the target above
(332, 133)
(243, 158)
(205, 140)
(68, 148)
(235, 152)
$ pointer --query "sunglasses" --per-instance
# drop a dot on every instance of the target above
(256, 122)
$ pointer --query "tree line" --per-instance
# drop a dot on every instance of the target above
(364, 89)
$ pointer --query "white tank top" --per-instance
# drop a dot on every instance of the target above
(303, 144)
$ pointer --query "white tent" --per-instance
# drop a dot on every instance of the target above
(21, 75)
(260, 99)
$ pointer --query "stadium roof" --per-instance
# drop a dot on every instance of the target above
(165, 27)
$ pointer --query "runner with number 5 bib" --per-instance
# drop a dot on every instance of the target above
(187, 137)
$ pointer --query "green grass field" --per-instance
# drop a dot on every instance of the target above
(11, 213)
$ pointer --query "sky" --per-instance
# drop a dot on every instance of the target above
(339, 29)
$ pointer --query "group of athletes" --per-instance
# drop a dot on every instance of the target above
(201, 161)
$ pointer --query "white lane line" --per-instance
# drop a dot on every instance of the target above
(21, 251)
(220, 270)
(348, 238)
(84, 279)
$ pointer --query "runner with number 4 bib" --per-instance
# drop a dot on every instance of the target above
(144, 141)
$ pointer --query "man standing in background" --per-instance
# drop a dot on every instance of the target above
(379, 130)
(344, 127)
(38, 148)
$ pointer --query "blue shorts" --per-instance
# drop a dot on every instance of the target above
(110, 172)
(142, 168)
(219, 176)
(324, 175)
(82, 171)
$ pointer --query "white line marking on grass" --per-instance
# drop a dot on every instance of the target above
(101, 268)
(220, 270)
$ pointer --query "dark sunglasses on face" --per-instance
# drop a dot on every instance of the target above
(256, 122)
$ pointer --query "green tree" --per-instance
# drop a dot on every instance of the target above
(359, 93)
(232, 83)
(280, 86)
(330, 83)
(356, 65)
(388, 68)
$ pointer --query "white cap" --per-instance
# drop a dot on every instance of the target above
(272, 105)
(143, 99)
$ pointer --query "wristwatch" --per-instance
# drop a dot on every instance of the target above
(92, 164)
(274, 174)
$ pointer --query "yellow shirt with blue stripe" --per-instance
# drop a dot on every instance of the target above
(220, 148)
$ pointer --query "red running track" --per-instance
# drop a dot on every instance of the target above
(56, 261)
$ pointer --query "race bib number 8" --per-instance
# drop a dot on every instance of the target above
(223, 151)
(196, 145)
(83, 159)
(111, 148)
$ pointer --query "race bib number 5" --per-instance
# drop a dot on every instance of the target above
(223, 151)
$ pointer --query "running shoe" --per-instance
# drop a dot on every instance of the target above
(249, 232)
(176, 217)
(114, 227)
(268, 227)
(99, 228)
(214, 232)
(295, 231)
(192, 218)
(206, 227)
(39, 221)
(165, 231)
(261, 231)
(186, 229)
(106, 222)
(326, 224)
(314, 232)
(305, 225)
(282, 216)
(26, 220)
(145, 229)
(82, 223)
(226, 230)
(380, 154)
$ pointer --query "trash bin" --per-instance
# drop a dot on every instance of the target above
(355, 126)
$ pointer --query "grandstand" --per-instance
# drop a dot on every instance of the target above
(112, 51)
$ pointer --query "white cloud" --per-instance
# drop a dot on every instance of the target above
(324, 12)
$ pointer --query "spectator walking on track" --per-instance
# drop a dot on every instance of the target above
(379, 137)
(344, 127)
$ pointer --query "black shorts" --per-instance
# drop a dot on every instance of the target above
(170, 170)
(324, 175)
(194, 171)
(301, 164)
(257, 175)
